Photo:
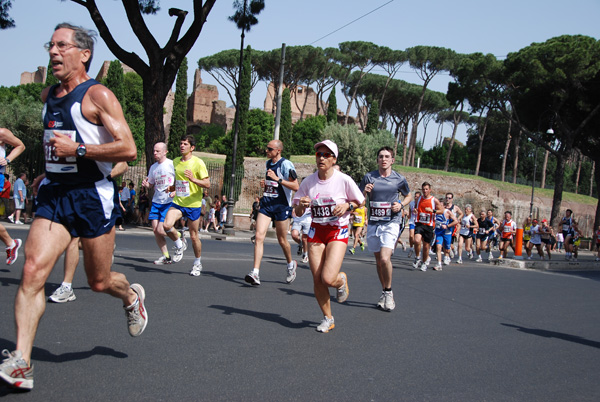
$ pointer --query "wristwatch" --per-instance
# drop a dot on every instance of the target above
(7, 161)
(279, 181)
(350, 207)
(81, 150)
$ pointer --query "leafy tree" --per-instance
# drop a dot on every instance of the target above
(391, 61)
(260, 131)
(5, 20)
(158, 74)
(306, 133)
(555, 84)
(207, 135)
(427, 61)
(285, 129)
(133, 108)
(22, 117)
(50, 78)
(179, 117)
(332, 107)
(357, 151)
(373, 118)
(114, 80)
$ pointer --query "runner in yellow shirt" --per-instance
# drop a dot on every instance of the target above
(191, 177)
(358, 223)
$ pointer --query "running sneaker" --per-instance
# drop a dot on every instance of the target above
(451, 253)
(479, 259)
(291, 272)
(299, 252)
(305, 258)
(425, 265)
(164, 260)
(410, 251)
(196, 269)
(529, 258)
(351, 250)
(389, 303)
(252, 278)
(11, 219)
(438, 267)
(362, 246)
(14, 370)
(12, 253)
(381, 302)
(417, 263)
(19, 223)
(459, 261)
(500, 257)
(343, 291)
(137, 316)
(446, 260)
(62, 295)
(326, 325)
(403, 247)
(470, 255)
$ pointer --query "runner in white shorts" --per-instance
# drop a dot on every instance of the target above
(385, 213)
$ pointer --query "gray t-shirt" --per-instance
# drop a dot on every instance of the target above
(384, 194)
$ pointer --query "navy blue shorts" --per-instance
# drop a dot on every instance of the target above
(277, 212)
(158, 212)
(86, 211)
(192, 214)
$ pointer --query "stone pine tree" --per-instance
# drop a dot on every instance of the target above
(244, 106)
(5, 20)
(332, 107)
(285, 128)
(373, 118)
(179, 117)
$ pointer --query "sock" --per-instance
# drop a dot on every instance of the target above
(12, 245)
(387, 289)
(137, 300)
(255, 271)
(166, 254)
(198, 260)
(66, 285)
(178, 243)
(291, 264)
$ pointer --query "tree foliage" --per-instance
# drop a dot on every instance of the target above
(5, 20)
(332, 107)
(373, 118)
(306, 133)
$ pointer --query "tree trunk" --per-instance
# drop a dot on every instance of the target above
(544, 167)
(456, 123)
(592, 179)
(596, 172)
(154, 130)
(506, 148)
(558, 187)
(481, 136)
(578, 173)
(517, 147)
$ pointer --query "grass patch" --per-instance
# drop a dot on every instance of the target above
(504, 186)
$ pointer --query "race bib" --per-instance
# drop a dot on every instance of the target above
(381, 211)
(271, 189)
(322, 210)
(565, 227)
(358, 219)
(424, 218)
(182, 188)
(55, 164)
(507, 229)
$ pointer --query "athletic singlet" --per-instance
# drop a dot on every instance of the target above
(424, 217)
(507, 228)
(275, 193)
(566, 227)
(441, 219)
(2, 155)
(64, 115)
(464, 225)
(527, 232)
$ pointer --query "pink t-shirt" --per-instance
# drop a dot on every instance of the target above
(326, 194)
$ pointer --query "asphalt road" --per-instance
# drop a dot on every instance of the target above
(469, 333)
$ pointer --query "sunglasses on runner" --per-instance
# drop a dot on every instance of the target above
(269, 149)
(325, 155)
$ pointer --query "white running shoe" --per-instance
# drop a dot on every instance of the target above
(389, 303)
(410, 252)
(479, 259)
(291, 272)
(163, 260)
(252, 278)
(417, 263)
(446, 260)
(343, 291)
(381, 302)
(196, 269)
(438, 267)
(326, 325)
(425, 265)
(459, 261)
(451, 253)
(137, 316)
(62, 295)
(305, 258)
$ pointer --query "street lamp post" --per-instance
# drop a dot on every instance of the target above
(550, 131)
(229, 225)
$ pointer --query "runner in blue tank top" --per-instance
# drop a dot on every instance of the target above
(84, 133)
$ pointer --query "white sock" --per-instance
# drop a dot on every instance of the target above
(178, 243)
(198, 260)
(255, 271)
(66, 285)
(291, 264)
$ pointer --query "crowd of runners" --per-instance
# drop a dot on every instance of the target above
(87, 140)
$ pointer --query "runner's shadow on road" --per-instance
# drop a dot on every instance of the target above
(276, 318)
(352, 303)
(557, 335)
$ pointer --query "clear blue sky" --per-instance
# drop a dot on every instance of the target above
(466, 26)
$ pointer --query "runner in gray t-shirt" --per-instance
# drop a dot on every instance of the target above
(385, 213)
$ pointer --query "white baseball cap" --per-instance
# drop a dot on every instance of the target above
(329, 144)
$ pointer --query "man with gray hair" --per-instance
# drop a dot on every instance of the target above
(84, 133)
